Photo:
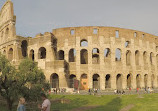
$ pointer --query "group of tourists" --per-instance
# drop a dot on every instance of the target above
(45, 106)
(93, 91)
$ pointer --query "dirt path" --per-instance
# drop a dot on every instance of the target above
(84, 108)
(127, 108)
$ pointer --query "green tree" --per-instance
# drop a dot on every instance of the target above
(28, 81)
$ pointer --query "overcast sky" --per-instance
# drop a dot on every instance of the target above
(39, 16)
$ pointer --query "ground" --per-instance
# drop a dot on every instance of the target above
(146, 102)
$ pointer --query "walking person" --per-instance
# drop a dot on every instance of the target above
(21, 106)
(46, 103)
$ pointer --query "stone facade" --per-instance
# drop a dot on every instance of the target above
(96, 57)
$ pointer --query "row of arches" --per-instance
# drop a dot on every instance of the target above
(107, 56)
(10, 54)
(54, 80)
(108, 81)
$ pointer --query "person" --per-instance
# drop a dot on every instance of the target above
(148, 89)
(21, 106)
(46, 103)
(115, 91)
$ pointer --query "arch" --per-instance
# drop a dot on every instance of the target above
(42, 53)
(117, 34)
(10, 54)
(72, 77)
(95, 56)
(84, 56)
(24, 48)
(135, 34)
(61, 55)
(54, 78)
(32, 55)
(145, 58)
(127, 43)
(152, 80)
(108, 81)
(84, 43)
(84, 82)
(146, 80)
(151, 57)
(96, 81)
(118, 54)
(129, 81)
(137, 57)
(107, 53)
(119, 82)
(72, 55)
(7, 32)
(138, 80)
(128, 58)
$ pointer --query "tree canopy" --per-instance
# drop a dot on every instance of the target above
(27, 81)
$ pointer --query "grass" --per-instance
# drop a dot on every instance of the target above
(147, 102)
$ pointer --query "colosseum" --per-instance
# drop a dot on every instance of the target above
(105, 58)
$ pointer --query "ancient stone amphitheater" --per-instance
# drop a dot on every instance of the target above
(85, 57)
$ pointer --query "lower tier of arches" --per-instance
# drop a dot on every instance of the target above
(108, 81)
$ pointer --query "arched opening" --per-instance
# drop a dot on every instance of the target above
(128, 57)
(71, 80)
(152, 80)
(145, 80)
(32, 55)
(24, 48)
(84, 43)
(138, 79)
(107, 55)
(10, 54)
(42, 53)
(96, 81)
(72, 55)
(118, 54)
(145, 58)
(84, 56)
(119, 82)
(151, 57)
(129, 81)
(84, 82)
(137, 57)
(60, 55)
(108, 81)
(117, 34)
(95, 56)
(7, 33)
(54, 80)
(127, 43)
(135, 34)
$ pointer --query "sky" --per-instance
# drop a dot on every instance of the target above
(39, 16)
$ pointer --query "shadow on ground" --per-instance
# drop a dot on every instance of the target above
(114, 105)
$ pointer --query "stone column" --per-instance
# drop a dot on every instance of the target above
(113, 81)
(102, 81)
(66, 52)
(124, 81)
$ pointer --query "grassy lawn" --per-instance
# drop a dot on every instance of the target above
(147, 102)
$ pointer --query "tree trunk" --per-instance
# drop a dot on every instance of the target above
(10, 104)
